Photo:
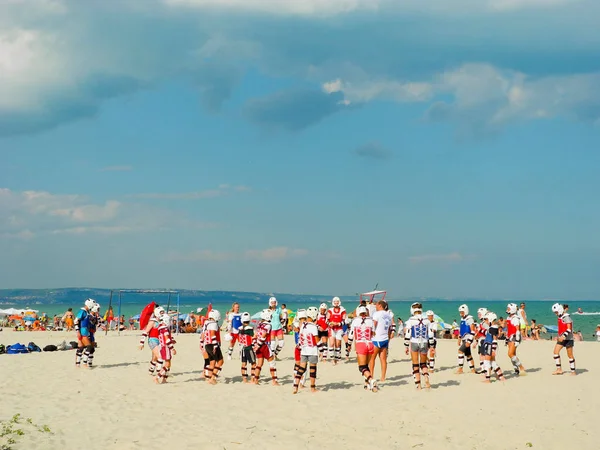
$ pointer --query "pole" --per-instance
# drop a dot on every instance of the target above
(119, 315)
(109, 306)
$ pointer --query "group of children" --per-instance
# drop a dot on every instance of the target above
(319, 333)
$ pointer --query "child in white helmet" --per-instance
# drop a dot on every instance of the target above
(298, 320)
(262, 347)
(418, 338)
(433, 343)
(82, 327)
(166, 348)
(309, 354)
(277, 341)
(336, 315)
(247, 354)
(490, 346)
(466, 333)
(362, 330)
(151, 332)
(482, 328)
(211, 339)
(565, 339)
(323, 332)
(513, 337)
(87, 358)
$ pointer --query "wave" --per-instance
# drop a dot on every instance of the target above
(587, 313)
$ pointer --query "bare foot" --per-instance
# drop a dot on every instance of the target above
(313, 389)
(295, 391)
(275, 383)
(472, 371)
(427, 384)
(573, 373)
(486, 381)
(245, 381)
(557, 372)
(459, 371)
(418, 387)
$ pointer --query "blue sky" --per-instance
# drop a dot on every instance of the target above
(441, 148)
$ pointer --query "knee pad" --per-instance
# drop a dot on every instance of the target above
(272, 364)
(90, 349)
(313, 371)
(415, 368)
(363, 368)
(423, 366)
(467, 351)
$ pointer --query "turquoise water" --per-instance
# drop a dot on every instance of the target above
(448, 310)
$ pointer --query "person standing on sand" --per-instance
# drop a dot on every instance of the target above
(523, 318)
(381, 340)
(68, 319)
(262, 347)
(151, 332)
(514, 337)
(82, 326)
(480, 336)
(323, 332)
(466, 333)
(211, 338)
(309, 354)
(361, 329)
(490, 346)
(94, 317)
(432, 345)
(565, 339)
(234, 323)
(246, 336)
(336, 315)
(166, 348)
(417, 339)
(277, 341)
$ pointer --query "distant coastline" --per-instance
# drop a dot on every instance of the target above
(23, 297)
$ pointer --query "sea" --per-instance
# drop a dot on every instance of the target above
(131, 304)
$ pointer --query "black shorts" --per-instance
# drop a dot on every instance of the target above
(487, 348)
(567, 344)
(248, 355)
(323, 334)
(214, 352)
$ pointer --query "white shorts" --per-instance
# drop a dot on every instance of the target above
(336, 334)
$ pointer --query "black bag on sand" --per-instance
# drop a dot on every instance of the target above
(32, 347)
(50, 348)
(2, 349)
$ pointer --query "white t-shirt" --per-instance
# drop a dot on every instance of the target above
(382, 327)
(307, 338)
(598, 335)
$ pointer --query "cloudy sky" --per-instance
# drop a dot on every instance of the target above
(440, 148)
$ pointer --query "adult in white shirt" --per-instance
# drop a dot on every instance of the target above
(382, 319)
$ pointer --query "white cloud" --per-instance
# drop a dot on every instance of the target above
(222, 190)
(447, 257)
(28, 214)
(381, 90)
(274, 254)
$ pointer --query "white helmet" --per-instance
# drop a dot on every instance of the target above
(511, 308)
(464, 309)
(246, 317)
(166, 319)
(323, 306)
(312, 313)
(96, 307)
(429, 313)
(301, 314)
(490, 316)
(557, 308)
(214, 315)
(266, 315)
(272, 301)
(416, 307)
(336, 301)
(89, 303)
(481, 312)
(159, 311)
(362, 310)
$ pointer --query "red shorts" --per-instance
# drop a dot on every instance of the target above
(264, 351)
(277, 334)
(297, 354)
(235, 337)
(165, 353)
(364, 348)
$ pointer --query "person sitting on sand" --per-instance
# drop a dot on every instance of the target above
(535, 330)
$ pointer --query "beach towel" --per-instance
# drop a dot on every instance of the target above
(16, 349)
(33, 347)
(50, 348)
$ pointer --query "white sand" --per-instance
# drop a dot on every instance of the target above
(116, 405)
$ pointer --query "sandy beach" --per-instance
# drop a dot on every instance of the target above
(116, 405)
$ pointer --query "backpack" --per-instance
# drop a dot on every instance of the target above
(2, 349)
(16, 349)
(32, 347)
(50, 348)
